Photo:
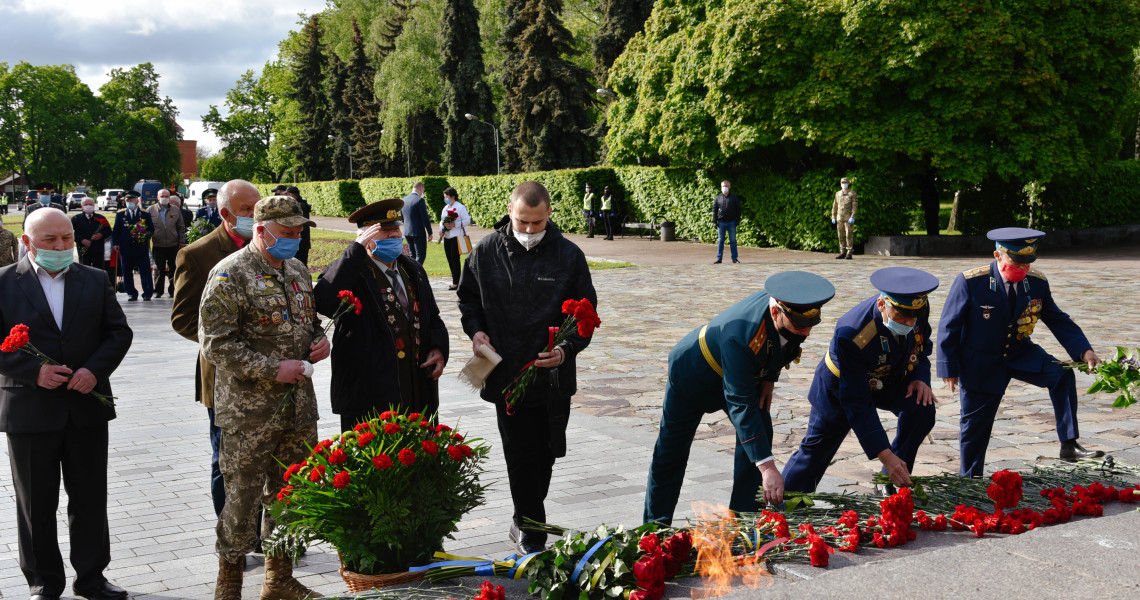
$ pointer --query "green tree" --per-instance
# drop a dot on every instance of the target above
(137, 88)
(364, 111)
(135, 145)
(339, 118)
(546, 111)
(312, 147)
(247, 129)
(940, 93)
(620, 21)
(469, 148)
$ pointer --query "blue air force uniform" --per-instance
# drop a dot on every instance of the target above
(720, 367)
(868, 368)
(133, 255)
(984, 341)
(212, 215)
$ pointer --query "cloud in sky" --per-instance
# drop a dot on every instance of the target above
(198, 47)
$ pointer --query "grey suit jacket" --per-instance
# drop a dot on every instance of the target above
(95, 335)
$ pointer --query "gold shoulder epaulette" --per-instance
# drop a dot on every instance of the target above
(976, 272)
(1037, 274)
(866, 335)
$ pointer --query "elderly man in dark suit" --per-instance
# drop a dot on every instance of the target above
(52, 423)
(417, 222)
(191, 270)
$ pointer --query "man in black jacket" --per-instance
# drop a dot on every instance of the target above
(511, 292)
(91, 233)
(398, 339)
(726, 216)
(52, 423)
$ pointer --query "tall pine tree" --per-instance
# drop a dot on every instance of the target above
(339, 121)
(363, 110)
(621, 20)
(547, 99)
(469, 147)
(312, 145)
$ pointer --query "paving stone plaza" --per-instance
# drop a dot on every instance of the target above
(162, 521)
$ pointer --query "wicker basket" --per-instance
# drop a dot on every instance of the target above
(357, 582)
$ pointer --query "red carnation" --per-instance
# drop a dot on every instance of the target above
(413, 417)
(17, 338)
(407, 457)
(457, 437)
(317, 472)
(365, 437)
(362, 426)
(442, 429)
(819, 551)
(382, 461)
(391, 428)
(341, 480)
(467, 451)
(455, 453)
(337, 457)
(430, 447)
(570, 307)
(284, 493)
(490, 592)
(291, 471)
(384, 416)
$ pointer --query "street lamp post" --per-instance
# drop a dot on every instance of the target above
(471, 117)
(349, 146)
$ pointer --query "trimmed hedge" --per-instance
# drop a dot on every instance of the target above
(1107, 195)
(328, 198)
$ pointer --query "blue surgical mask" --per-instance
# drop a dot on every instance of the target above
(283, 248)
(45, 200)
(54, 260)
(130, 206)
(895, 327)
(244, 227)
(388, 250)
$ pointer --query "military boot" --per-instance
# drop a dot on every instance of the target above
(279, 582)
(229, 579)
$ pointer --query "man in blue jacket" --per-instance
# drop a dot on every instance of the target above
(878, 359)
(732, 364)
(133, 246)
(417, 222)
(984, 341)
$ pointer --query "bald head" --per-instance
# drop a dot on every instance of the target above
(44, 219)
(240, 189)
(48, 229)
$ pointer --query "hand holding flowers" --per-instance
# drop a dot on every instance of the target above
(52, 373)
(580, 317)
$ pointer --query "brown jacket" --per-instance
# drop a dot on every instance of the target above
(170, 232)
(191, 270)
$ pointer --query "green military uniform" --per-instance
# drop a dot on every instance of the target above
(253, 316)
(9, 248)
(843, 210)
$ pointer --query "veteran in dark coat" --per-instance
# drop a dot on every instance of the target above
(731, 365)
(134, 253)
(393, 352)
(878, 359)
(984, 341)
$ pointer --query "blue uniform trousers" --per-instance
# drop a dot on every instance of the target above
(980, 408)
(142, 265)
(828, 428)
(679, 421)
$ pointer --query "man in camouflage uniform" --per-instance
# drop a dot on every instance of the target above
(259, 326)
(843, 217)
(9, 247)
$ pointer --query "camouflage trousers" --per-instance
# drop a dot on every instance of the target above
(253, 476)
(846, 235)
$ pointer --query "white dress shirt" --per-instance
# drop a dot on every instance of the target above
(53, 290)
(462, 220)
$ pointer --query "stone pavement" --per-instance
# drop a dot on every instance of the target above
(162, 524)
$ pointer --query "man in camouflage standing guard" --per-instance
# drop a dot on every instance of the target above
(843, 217)
(259, 326)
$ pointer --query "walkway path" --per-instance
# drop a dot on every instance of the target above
(163, 525)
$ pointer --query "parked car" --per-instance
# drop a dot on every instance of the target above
(109, 199)
(75, 200)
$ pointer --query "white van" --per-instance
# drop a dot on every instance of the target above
(194, 198)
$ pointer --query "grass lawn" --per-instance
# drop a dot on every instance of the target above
(329, 244)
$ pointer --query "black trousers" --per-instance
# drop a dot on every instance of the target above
(36, 460)
(451, 251)
(526, 439)
(93, 256)
(164, 257)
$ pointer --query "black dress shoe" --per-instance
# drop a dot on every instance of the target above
(158, 295)
(132, 299)
(885, 489)
(44, 597)
(524, 548)
(716, 262)
(735, 261)
(1071, 450)
(103, 591)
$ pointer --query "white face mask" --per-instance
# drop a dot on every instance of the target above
(530, 240)
(845, 185)
(87, 208)
(164, 201)
(724, 189)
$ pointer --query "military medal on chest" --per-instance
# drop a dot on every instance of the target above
(986, 311)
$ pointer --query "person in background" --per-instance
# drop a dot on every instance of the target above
(608, 212)
(453, 222)
(417, 222)
(306, 235)
(91, 233)
(588, 210)
(843, 210)
(209, 210)
(726, 216)
(133, 250)
(169, 237)
(9, 247)
(177, 201)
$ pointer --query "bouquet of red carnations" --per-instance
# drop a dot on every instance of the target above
(18, 339)
(580, 316)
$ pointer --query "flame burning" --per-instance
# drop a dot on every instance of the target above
(713, 534)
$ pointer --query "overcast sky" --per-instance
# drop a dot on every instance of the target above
(198, 47)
